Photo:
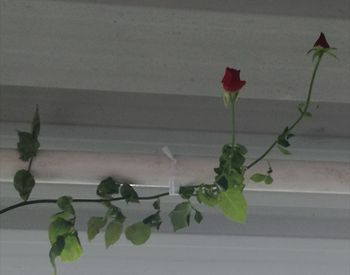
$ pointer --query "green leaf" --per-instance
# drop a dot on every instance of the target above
(63, 215)
(223, 182)
(36, 124)
(156, 204)
(24, 183)
(56, 251)
(107, 188)
(233, 204)
(115, 213)
(283, 151)
(72, 248)
(237, 160)
(218, 170)
(95, 224)
(186, 192)
(241, 149)
(268, 179)
(27, 146)
(198, 217)
(129, 193)
(113, 233)
(282, 138)
(258, 177)
(138, 233)
(328, 51)
(226, 149)
(283, 142)
(59, 227)
(179, 216)
(307, 114)
(234, 179)
(208, 199)
(153, 220)
(65, 203)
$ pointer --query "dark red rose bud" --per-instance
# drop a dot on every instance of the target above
(231, 81)
(322, 42)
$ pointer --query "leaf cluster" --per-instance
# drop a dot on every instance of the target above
(230, 172)
(27, 147)
(265, 178)
(230, 202)
(258, 177)
(225, 193)
(110, 187)
(63, 236)
(180, 216)
(113, 221)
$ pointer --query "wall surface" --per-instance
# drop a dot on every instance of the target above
(180, 255)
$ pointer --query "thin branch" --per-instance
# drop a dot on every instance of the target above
(263, 155)
(30, 164)
(42, 201)
(302, 114)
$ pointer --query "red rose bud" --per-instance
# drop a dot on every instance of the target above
(322, 42)
(231, 81)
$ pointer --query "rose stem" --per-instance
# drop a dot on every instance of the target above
(232, 99)
(307, 103)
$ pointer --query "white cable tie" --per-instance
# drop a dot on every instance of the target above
(172, 188)
(172, 176)
(168, 153)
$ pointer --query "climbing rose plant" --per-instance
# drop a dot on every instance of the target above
(225, 192)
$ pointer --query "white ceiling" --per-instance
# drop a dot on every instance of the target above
(175, 47)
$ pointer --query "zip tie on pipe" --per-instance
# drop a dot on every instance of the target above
(172, 177)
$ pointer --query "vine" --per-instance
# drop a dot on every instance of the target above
(225, 193)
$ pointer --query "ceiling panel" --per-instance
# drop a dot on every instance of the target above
(169, 48)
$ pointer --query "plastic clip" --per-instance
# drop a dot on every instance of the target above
(172, 177)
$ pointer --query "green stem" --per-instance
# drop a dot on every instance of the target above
(301, 116)
(233, 99)
(25, 203)
(30, 164)
(308, 100)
